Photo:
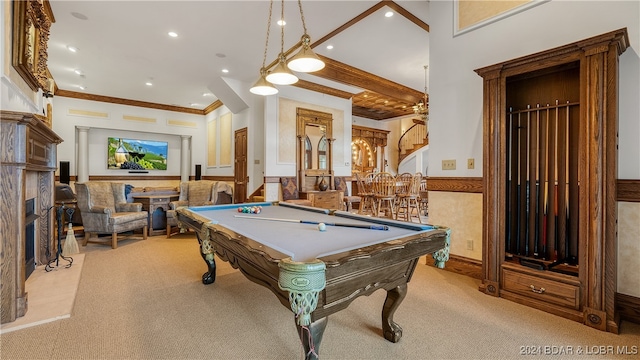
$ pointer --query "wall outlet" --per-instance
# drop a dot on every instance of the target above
(469, 244)
(471, 163)
(448, 164)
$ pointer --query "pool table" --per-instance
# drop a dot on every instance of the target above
(316, 273)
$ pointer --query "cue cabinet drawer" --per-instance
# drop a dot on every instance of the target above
(547, 290)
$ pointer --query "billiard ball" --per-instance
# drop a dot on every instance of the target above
(322, 227)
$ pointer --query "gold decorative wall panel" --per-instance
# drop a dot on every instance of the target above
(212, 155)
(226, 140)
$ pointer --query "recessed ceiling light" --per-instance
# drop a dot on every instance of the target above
(148, 83)
(193, 104)
(82, 87)
(225, 70)
(173, 34)
(281, 22)
(72, 48)
(388, 14)
(77, 71)
(329, 47)
(207, 94)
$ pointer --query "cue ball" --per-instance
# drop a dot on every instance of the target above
(322, 227)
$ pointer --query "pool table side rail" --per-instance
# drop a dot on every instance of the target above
(377, 268)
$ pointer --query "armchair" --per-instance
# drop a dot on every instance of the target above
(290, 192)
(104, 210)
(198, 193)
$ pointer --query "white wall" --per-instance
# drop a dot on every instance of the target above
(455, 121)
(316, 101)
(456, 90)
(106, 120)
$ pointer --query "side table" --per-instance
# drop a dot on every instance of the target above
(156, 206)
(329, 199)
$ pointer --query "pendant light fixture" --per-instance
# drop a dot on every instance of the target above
(281, 75)
(305, 60)
(262, 86)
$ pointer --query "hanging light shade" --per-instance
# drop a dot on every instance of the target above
(262, 86)
(281, 75)
(305, 60)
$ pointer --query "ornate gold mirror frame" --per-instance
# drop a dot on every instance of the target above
(31, 23)
(308, 178)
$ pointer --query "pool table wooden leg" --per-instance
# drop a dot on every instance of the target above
(210, 276)
(391, 330)
(311, 337)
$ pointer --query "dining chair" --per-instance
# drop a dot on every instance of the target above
(384, 188)
(424, 197)
(365, 191)
(408, 199)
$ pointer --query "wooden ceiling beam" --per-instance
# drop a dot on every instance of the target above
(349, 75)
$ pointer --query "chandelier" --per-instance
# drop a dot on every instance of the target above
(421, 109)
(304, 61)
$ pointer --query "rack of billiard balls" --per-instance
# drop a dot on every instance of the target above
(250, 209)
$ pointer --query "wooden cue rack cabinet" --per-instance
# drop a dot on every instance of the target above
(579, 184)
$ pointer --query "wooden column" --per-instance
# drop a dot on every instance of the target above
(600, 75)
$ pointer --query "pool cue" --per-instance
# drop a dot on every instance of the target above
(359, 226)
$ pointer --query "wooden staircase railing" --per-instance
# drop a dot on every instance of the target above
(413, 139)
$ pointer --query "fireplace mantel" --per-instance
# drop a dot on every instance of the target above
(28, 152)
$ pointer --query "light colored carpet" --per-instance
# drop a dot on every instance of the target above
(145, 300)
(50, 295)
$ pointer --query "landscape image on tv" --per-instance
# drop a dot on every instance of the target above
(133, 154)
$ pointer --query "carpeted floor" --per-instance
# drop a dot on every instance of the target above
(145, 300)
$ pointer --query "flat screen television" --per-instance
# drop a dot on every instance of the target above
(131, 154)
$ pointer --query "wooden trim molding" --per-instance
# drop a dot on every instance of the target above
(303, 84)
(343, 73)
(460, 265)
(628, 307)
(131, 177)
(455, 184)
(628, 190)
(214, 105)
(224, 178)
(272, 180)
(115, 100)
